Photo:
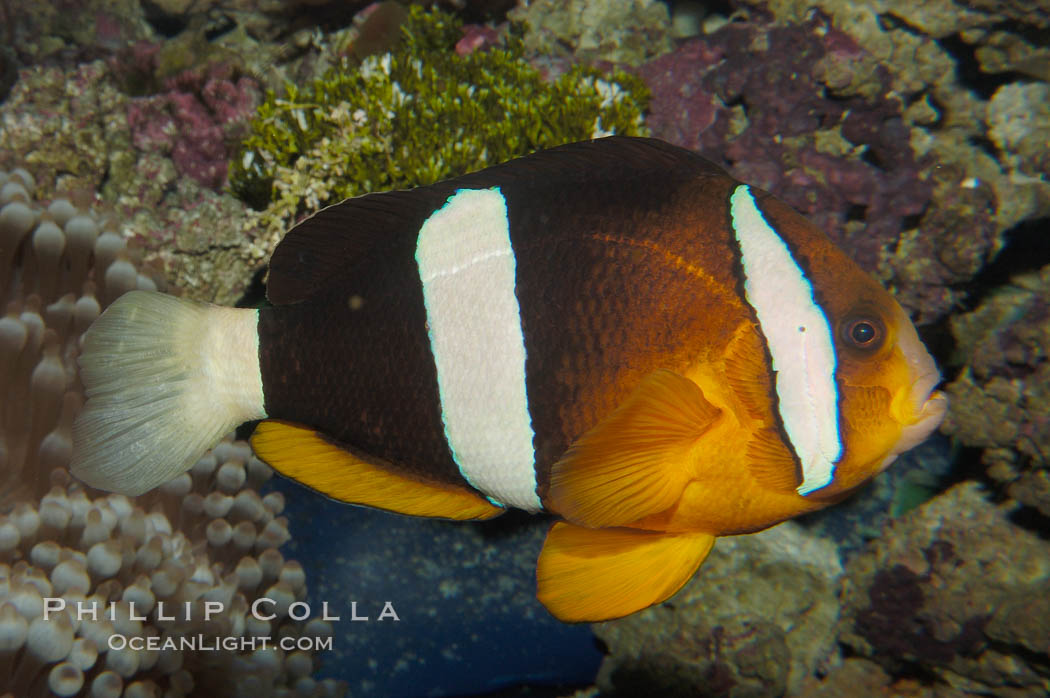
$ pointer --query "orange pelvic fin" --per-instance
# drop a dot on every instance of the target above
(588, 575)
(301, 454)
(634, 462)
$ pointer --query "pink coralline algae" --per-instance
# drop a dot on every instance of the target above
(194, 120)
(477, 37)
(779, 108)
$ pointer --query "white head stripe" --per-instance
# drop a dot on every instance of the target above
(799, 340)
(467, 267)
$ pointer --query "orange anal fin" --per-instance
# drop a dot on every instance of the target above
(634, 463)
(301, 454)
(586, 574)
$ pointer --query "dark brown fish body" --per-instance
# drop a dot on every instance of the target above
(606, 296)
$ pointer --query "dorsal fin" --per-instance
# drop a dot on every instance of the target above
(320, 248)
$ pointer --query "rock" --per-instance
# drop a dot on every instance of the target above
(608, 30)
(1019, 124)
(1001, 400)
(44, 28)
(959, 589)
(157, 161)
(1004, 51)
(802, 110)
(757, 619)
(862, 677)
(923, 47)
(1034, 13)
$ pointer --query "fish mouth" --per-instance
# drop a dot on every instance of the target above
(926, 410)
(929, 408)
(919, 408)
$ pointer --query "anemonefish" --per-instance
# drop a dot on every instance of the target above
(616, 332)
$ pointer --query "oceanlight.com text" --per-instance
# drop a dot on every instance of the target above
(204, 643)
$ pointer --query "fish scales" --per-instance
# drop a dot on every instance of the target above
(634, 292)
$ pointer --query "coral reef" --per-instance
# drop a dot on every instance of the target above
(610, 30)
(842, 113)
(862, 677)
(1008, 52)
(721, 636)
(68, 128)
(438, 112)
(208, 536)
(956, 588)
(39, 29)
(194, 120)
(151, 130)
(1018, 123)
(257, 34)
(1001, 399)
(784, 107)
(989, 176)
(914, 133)
(76, 130)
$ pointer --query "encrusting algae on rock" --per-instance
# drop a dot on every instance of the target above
(1001, 396)
(208, 536)
(958, 589)
(417, 115)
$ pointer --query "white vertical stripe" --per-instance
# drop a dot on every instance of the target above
(799, 340)
(467, 265)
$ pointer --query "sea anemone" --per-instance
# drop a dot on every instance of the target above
(209, 536)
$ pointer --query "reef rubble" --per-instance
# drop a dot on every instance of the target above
(957, 588)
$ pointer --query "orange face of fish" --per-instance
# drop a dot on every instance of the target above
(821, 384)
(883, 374)
(887, 403)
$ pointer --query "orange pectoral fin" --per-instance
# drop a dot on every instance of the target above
(770, 462)
(591, 575)
(747, 373)
(301, 454)
(634, 462)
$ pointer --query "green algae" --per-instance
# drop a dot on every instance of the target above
(418, 115)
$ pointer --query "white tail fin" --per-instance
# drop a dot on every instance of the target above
(165, 378)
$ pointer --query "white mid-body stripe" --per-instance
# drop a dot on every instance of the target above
(799, 339)
(467, 267)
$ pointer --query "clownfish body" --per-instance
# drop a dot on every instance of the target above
(616, 332)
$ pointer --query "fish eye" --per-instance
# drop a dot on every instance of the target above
(863, 332)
